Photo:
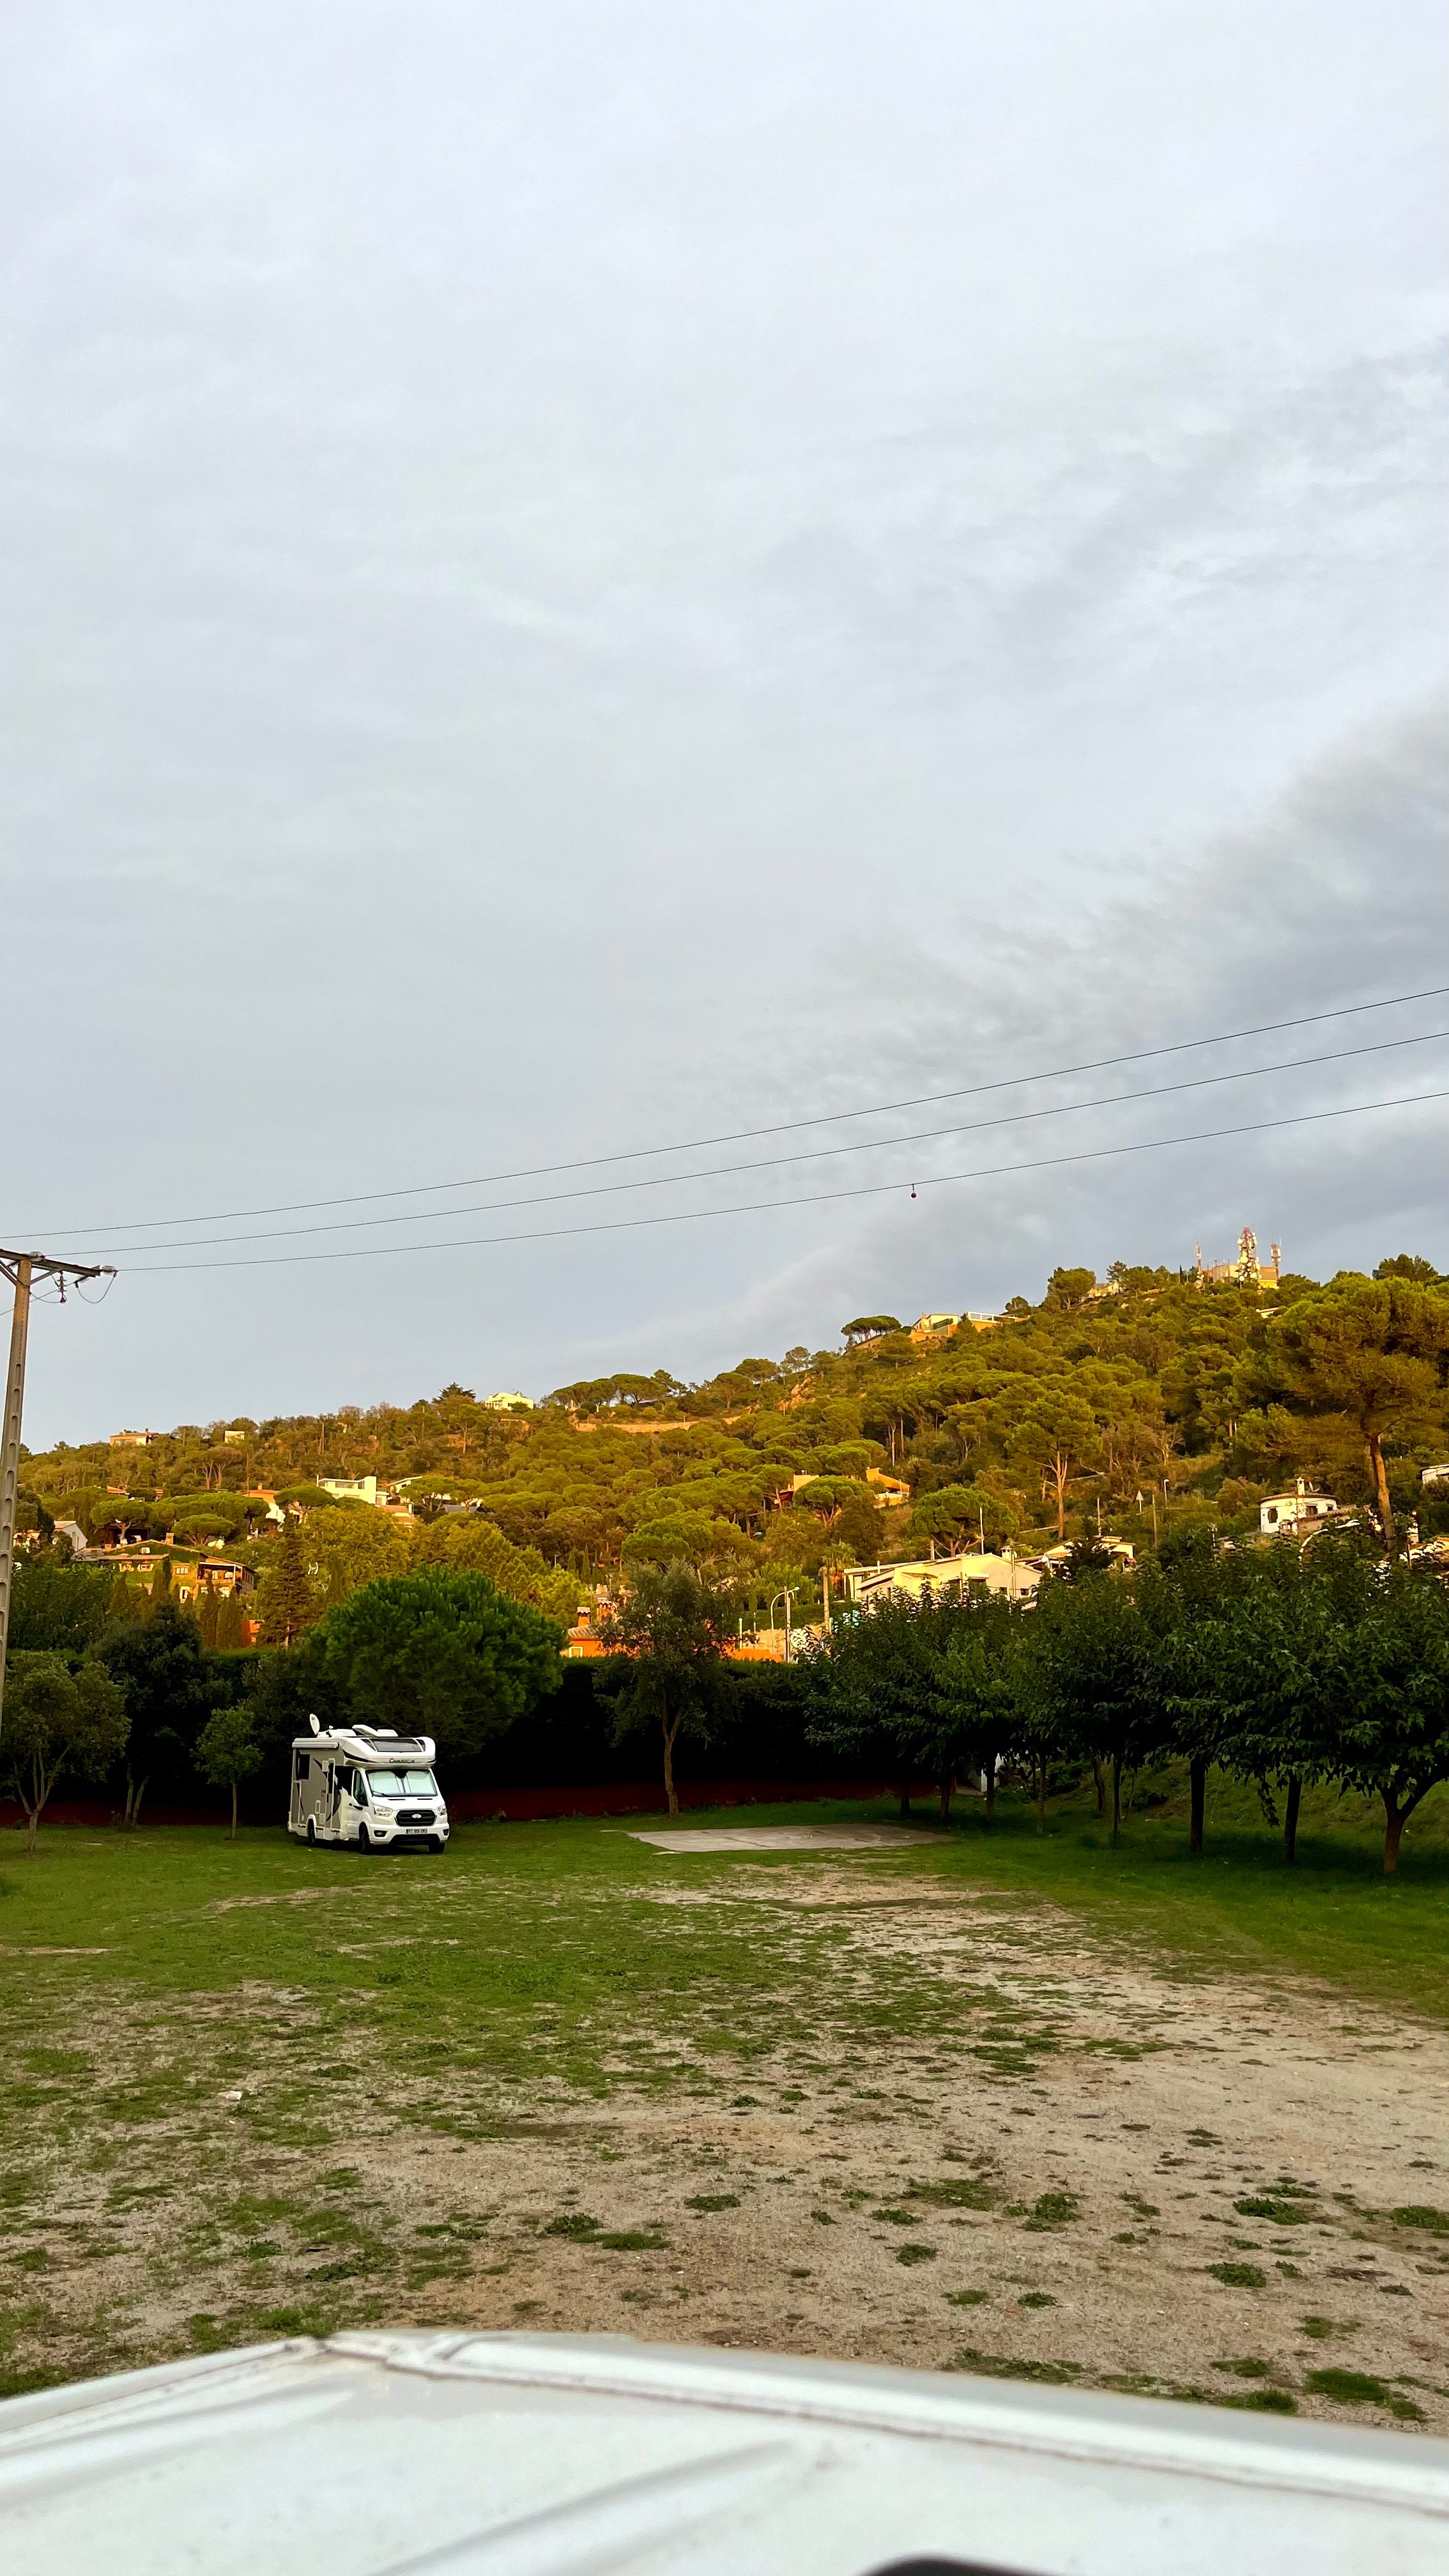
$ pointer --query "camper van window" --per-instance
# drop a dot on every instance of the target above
(302, 1761)
(403, 1784)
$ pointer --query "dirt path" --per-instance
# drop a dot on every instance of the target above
(1096, 2169)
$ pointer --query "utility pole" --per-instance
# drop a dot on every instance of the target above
(22, 1269)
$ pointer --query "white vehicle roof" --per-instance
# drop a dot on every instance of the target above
(568, 2455)
(366, 1744)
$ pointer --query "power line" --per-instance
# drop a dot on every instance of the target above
(813, 1154)
(815, 1198)
(748, 1135)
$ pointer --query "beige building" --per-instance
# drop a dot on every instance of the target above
(1301, 1509)
(944, 1577)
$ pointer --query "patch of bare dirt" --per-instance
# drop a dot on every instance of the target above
(287, 1896)
(1092, 2168)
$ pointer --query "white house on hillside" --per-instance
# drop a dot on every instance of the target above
(1297, 1510)
(944, 1577)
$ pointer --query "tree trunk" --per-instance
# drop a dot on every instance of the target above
(141, 1788)
(1040, 1770)
(991, 1791)
(1197, 1778)
(1291, 1805)
(945, 1787)
(1116, 1798)
(232, 1836)
(1061, 1485)
(1395, 1820)
(670, 1792)
(32, 1828)
(1379, 1473)
(1099, 1784)
(905, 1798)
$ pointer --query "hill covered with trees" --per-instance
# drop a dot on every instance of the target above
(1144, 1403)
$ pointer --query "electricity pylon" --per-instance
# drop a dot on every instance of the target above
(21, 1268)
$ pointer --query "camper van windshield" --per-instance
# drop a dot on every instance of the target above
(402, 1784)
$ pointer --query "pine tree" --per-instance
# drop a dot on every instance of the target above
(286, 1598)
(159, 1587)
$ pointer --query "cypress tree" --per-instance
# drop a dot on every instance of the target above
(286, 1599)
(230, 1633)
(126, 1605)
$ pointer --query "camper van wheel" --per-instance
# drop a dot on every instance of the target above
(311, 1829)
(364, 1839)
(434, 1845)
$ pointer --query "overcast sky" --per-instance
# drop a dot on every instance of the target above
(587, 576)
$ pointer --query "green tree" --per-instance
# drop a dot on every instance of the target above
(681, 1538)
(1194, 1597)
(1408, 1265)
(976, 1700)
(31, 1514)
(1372, 1349)
(1092, 1675)
(1058, 1437)
(858, 1537)
(345, 1549)
(963, 1516)
(1070, 1288)
(442, 1651)
(230, 1623)
(868, 1328)
(170, 1688)
(1391, 1739)
(470, 1543)
(197, 1525)
(286, 1601)
(876, 1688)
(126, 1603)
(1280, 1650)
(227, 1751)
(58, 1720)
(670, 1631)
(55, 1605)
(827, 1496)
(283, 1689)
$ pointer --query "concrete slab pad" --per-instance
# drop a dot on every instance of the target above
(786, 1838)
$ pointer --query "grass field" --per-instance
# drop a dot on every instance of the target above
(994, 2102)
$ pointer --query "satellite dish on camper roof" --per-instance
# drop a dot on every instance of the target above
(316, 1724)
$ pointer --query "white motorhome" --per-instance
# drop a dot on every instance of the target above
(367, 1786)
